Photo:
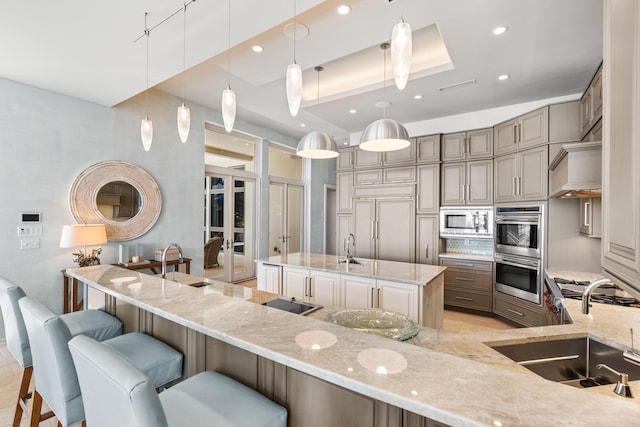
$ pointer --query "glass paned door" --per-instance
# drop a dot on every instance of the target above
(230, 228)
(285, 218)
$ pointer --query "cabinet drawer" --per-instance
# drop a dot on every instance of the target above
(393, 175)
(467, 299)
(368, 177)
(518, 313)
(467, 264)
(467, 279)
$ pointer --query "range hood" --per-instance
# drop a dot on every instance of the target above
(576, 171)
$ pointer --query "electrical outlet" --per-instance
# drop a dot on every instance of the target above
(30, 243)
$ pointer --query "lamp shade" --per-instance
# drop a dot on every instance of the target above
(384, 135)
(228, 108)
(294, 88)
(184, 122)
(401, 53)
(83, 235)
(146, 132)
(317, 145)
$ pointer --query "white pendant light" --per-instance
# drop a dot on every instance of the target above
(146, 127)
(401, 52)
(384, 134)
(184, 114)
(294, 75)
(317, 144)
(228, 95)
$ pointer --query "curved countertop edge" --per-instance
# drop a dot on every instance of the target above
(457, 379)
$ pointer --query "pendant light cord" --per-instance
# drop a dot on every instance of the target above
(184, 50)
(229, 49)
(295, 25)
(384, 47)
(146, 32)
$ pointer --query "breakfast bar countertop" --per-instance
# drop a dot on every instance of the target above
(454, 379)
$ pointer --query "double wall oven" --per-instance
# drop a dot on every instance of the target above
(518, 254)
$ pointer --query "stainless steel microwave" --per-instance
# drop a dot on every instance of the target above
(474, 222)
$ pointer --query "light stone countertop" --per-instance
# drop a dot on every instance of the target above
(454, 379)
(417, 274)
(477, 257)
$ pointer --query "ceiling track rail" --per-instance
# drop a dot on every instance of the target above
(148, 30)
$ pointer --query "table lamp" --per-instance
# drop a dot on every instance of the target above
(84, 235)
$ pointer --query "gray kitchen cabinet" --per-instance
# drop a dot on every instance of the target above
(518, 311)
(591, 217)
(467, 183)
(526, 131)
(345, 159)
(428, 200)
(591, 103)
(476, 144)
(468, 283)
(318, 287)
(401, 157)
(344, 192)
(367, 177)
(385, 228)
(361, 292)
(427, 239)
(399, 175)
(363, 159)
(522, 176)
(621, 137)
(428, 148)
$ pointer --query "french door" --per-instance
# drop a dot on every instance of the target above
(230, 214)
(285, 217)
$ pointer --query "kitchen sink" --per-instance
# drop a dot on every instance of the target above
(292, 306)
(352, 261)
(571, 361)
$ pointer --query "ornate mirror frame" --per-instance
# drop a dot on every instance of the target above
(84, 192)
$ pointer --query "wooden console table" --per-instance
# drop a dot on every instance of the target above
(73, 301)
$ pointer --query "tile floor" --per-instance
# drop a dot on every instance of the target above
(10, 371)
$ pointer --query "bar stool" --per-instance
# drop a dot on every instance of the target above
(94, 323)
(117, 394)
(56, 381)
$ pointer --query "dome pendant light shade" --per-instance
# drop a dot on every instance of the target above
(401, 51)
(184, 122)
(146, 132)
(317, 145)
(228, 108)
(384, 135)
(294, 88)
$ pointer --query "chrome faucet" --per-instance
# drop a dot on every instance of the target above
(622, 387)
(588, 291)
(164, 256)
(350, 244)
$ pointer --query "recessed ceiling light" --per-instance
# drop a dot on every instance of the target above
(417, 96)
(353, 111)
(503, 77)
(500, 30)
(344, 9)
(257, 48)
(304, 125)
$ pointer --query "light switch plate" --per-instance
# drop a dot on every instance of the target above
(29, 230)
(33, 243)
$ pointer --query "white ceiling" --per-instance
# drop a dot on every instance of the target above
(87, 50)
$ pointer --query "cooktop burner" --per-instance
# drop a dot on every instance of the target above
(575, 288)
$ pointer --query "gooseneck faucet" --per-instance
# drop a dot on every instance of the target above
(351, 246)
(589, 290)
(164, 256)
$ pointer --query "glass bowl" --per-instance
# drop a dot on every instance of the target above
(376, 321)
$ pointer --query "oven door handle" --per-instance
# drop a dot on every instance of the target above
(516, 264)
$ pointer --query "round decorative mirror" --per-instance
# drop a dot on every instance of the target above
(122, 196)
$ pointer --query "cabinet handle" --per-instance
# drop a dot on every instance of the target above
(515, 183)
(310, 284)
(468, 196)
(519, 186)
(464, 298)
(463, 264)
(373, 236)
(587, 207)
(519, 132)
(372, 302)
(515, 312)
(377, 230)
(464, 279)
(426, 252)
(378, 302)
(515, 134)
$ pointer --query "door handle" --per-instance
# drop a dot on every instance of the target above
(587, 207)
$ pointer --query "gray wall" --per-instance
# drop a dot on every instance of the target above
(47, 139)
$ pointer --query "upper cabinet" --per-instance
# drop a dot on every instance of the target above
(366, 159)
(591, 104)
(345, 159)
(467, 183)
(621, 144)
(472, 145)
(521, 176)
(401, 157)
(428, 148)
(522, 132)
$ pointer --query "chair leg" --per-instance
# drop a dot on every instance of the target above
(23, 395)
(36, 411)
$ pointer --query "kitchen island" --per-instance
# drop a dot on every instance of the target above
(329, 375)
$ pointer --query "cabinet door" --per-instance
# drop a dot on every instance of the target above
(453, 184)
(479, 144)
(479, 178)
(401, 157)
(428, 188)
(585, 112)
(364, 214)
(269, 278)
(366, 159)
(505, 137)
(325, 288)
(395, 229)
(428, 148)
(343, 228)
(398, 297)
(534, 128)
(294, 282)
(533, 177)
(505, 169)
(596, 96)
(454, 146)
(427, 239)
(345, 159)
(397, 175)
(367, 177)
(357, 292)
(344, 189)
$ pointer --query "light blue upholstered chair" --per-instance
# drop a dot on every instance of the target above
(117, 394)
(56, 381)
(94, 323)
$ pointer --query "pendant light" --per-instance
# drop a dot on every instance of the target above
(384, 134)
(146, 127)
(294, 75)
(317, 144)
(228, 95)
(184, 115)
(401, 52)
